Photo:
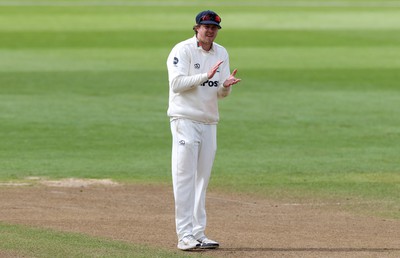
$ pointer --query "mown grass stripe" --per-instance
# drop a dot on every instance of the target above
(142, 18)
(103, 59)
(161, 38)
(345, 3)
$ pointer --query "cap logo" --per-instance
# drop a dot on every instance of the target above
(208, 17)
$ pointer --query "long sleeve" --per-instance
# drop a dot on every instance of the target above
(183, 83)
(179, 75)
(223, 92)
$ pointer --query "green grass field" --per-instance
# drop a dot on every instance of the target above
(84, 93)
(19, 241)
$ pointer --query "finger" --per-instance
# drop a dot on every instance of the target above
(234, 72)
(235, 81)
(218, 64)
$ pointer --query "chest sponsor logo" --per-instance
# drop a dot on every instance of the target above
(197, 66)
(210, 83)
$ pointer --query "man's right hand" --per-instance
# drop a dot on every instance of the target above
(214, 69)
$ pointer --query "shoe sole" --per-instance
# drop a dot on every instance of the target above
(209, 246)
(189, 248)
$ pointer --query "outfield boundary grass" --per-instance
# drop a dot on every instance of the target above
(344, 3)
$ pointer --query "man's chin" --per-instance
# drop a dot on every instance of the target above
(209, 40)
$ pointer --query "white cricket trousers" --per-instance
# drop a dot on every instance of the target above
(193, 151)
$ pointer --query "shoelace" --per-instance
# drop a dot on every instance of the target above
(190, 238)
(208, 241)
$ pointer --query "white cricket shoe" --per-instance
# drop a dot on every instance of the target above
(206, 243)
(188, 243)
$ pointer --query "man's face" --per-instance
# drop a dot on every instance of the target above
(206, 33)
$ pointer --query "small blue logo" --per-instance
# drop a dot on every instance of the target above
(176, 60)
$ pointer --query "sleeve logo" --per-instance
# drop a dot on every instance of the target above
(176, 60)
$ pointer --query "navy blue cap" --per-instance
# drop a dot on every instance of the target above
(208, 17)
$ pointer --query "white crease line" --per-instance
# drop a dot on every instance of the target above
(231, 200)
(295, 204)
(277, 204)
(311, 204)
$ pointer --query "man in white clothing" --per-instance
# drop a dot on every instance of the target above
(199, 75)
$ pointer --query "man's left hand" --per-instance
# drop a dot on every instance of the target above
(231, 80)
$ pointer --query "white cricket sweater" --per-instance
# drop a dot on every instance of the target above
(191, 94)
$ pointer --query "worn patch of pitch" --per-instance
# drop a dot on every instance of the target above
(66, 182)
(76, 182)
